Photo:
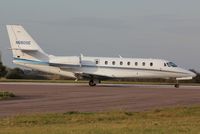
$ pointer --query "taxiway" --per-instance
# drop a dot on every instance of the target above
(54, 97)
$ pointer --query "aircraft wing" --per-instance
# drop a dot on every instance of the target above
(92, 76)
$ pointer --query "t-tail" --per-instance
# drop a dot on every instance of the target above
(23, 46)
(27, 53)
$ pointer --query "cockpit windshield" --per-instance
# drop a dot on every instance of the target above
(171, 64)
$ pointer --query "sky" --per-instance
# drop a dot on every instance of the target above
(164, 29)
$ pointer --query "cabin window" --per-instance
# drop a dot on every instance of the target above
(121, 63)
(136, 63)
(97, 62)
(106, 62)
(143, 63)
(165, 64)
(113, 62)
(151, 64)
(128, 63)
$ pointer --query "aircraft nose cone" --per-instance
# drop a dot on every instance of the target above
(192, 74)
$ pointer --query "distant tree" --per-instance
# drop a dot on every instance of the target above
(15, 73)
(197, 78)
(3, 70)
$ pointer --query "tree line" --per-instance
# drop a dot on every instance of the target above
(17, 73)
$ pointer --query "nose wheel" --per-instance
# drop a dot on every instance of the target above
(92, 83)
(177, 85)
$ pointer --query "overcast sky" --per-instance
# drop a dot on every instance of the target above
(167, 29)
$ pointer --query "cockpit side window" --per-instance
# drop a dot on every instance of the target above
(171, 64)
(168, 65)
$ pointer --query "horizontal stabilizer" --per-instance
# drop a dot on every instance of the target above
(23, 49)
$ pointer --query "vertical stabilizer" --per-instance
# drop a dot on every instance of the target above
(23, 46)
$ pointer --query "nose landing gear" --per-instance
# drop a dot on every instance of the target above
(177, 85)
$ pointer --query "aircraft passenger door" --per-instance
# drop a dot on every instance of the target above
(162, 67)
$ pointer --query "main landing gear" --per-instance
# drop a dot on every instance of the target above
(92, 83)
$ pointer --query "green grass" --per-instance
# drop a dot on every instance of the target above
(181, 120)
(6, 95)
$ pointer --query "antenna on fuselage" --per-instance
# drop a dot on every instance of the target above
(0, 57)
(120, 56)
(80, 59)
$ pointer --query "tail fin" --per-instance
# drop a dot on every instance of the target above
(23, 46)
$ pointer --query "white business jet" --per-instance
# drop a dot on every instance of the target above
(27, 53)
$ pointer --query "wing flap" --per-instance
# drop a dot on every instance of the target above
(92, 76)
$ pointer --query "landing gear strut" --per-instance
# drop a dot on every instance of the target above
(177, 85)
(92, 83)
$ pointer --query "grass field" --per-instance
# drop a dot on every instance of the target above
(6, 95)
(181, 120)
